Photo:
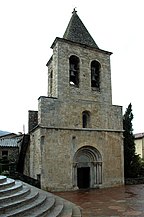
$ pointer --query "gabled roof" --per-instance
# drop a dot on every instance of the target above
(77, 32)
(8, 135)
(9, 142)
(139, 135)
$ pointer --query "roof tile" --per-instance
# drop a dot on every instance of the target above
(77, 32)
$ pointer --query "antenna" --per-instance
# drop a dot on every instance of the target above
(23, 129)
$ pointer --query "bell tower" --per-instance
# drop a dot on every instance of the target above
(79, 131)
(78, 68)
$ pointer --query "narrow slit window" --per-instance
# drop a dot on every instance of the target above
(51, 82)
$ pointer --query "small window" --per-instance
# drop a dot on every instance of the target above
(51, 82)
(51, 74)
(74, 70)
(86, 119)
(95, 75)
(5, 154)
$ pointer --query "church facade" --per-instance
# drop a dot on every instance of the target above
(76, 136)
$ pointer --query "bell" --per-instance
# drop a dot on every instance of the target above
(93, 78)
(72, 70)
(72, 73)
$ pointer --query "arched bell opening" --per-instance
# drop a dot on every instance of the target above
(95, 75)
(87, 168)
(74, 70)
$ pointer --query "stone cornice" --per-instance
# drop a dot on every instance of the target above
(81, 129)
(79, 44)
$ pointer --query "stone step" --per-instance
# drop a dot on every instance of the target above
(57, 209)
(3, 179)
(26, 209)
(76, 212)
(19, 199)
(9, 206)
(67, 210)
(11, 190)
(7, 183)
(16, 196)
(44, 209)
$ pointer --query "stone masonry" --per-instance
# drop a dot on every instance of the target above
(78, 141)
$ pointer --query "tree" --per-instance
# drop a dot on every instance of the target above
(132, 161)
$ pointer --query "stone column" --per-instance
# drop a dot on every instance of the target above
(99, 165)
(95, 173)
(75, 176)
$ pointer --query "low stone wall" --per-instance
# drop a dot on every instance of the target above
(134, 181)
(24, 178)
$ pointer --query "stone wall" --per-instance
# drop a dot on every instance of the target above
(35, 154)
(32, 120)
(62, 50)
(68, 113)
(59, 147)
(13, 153)
(59, 134)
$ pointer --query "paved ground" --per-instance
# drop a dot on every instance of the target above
(112, 202)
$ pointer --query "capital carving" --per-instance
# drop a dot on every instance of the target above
(74, 164)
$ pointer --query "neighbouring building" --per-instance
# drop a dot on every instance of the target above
(76, 136)
(139, 144)
(10, 145)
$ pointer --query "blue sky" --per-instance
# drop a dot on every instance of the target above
(28, 28)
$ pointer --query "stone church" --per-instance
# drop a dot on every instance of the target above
(76, 136)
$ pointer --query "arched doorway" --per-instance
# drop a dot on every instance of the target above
(83, 177)
(87, 168)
